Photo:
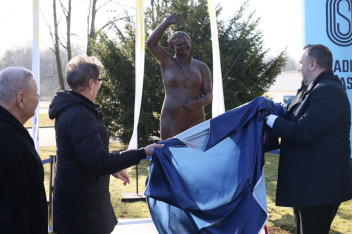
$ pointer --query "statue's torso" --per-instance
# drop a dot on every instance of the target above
(173, 115)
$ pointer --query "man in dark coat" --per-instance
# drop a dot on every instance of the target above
(23, 204)
(315, 173)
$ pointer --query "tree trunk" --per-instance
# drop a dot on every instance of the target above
(68, 23)
(92, 33)
(57, 50)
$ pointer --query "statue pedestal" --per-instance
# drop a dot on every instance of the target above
(127, 197)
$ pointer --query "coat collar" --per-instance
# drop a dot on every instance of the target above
(8, 118)
(303, 92)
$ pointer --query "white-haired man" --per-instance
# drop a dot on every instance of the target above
(23, 206)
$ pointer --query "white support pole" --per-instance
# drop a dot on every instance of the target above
(218, 105)
(36, 70)
(139, 70)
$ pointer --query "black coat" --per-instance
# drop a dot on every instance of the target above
(315, 165)
(23, 204)
(81, 191)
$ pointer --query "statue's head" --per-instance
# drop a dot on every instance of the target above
(175, 36)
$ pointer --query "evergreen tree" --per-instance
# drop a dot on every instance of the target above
(246, 75)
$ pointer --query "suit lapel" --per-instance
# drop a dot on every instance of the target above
(297, 100)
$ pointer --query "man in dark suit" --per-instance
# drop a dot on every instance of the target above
(315, 172)
(23, 204)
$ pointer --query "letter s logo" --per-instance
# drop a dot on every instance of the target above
(339, 21)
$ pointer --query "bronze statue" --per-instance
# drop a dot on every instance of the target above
(187, 81)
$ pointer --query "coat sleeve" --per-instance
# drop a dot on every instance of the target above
(327, 104)
(84, 135)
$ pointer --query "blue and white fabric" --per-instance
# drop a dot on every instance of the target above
(209, 178)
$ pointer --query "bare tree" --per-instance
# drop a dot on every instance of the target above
(57, 48)
(57, 42)
(91, 29)
(22, 56)
(67, 12)
(65, 41)
(18, 56)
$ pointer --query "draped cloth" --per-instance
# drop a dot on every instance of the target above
(209, 178)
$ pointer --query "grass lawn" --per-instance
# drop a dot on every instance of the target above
(44, 121)
(280, 218)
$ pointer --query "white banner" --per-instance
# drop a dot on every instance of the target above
(218, 105)
(330, 23)
(36, 70)
(139, 70)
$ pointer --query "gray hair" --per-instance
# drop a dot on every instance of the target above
(12, 81)
(80, 69)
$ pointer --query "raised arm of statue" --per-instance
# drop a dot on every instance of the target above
(155, 48)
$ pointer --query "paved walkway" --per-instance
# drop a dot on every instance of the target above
(135, 226)
(46, 136)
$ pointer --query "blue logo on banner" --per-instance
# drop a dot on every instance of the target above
(339, 21)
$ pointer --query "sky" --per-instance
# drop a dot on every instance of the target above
(280, 21)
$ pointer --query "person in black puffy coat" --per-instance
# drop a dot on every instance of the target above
(84, 165)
